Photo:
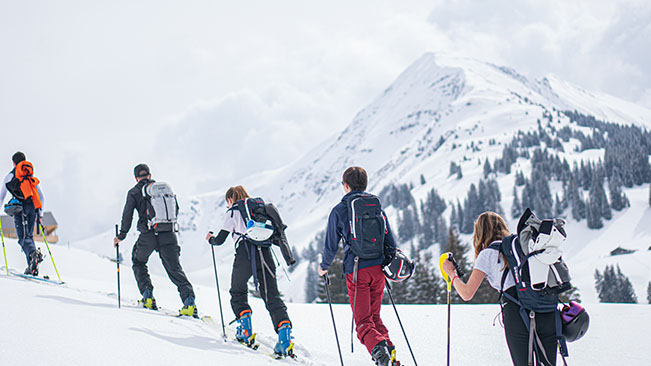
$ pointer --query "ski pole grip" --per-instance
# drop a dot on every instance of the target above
(116, 230)
(456, 266)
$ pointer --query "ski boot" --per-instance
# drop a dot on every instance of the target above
(381, 355)
(392, 352)
(244, 332)
(189, 308)
(35, 258)
(285, 346)
(148, 300)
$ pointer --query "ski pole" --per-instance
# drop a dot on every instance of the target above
(386, 282)
(219, 296)
(327, 284)
(117, 260)
(280, 264)
(442, 260)
(48, 249)
(3, 248)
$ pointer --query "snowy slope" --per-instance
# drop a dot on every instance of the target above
(79, 324)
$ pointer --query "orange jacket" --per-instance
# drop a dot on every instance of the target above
(24, 173)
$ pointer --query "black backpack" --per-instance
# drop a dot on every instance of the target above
(13, 186)
(367, 225)
(265, 216)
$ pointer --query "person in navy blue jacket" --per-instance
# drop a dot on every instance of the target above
(370, 279)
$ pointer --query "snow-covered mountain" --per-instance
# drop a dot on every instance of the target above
(440, 110)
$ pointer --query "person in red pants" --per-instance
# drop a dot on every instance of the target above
(368, 245)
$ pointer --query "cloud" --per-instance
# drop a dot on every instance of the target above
(216, 142)
(602, 45)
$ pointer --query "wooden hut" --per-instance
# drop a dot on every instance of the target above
(49, 223)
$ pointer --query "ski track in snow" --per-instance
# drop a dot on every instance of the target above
(78, 323)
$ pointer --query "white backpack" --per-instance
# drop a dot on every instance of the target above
(162, 207)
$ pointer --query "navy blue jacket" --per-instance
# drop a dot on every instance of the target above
(338, 228)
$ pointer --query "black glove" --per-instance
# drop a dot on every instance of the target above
(387, 259)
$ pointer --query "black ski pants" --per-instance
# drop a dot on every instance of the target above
(242, 272)
(517, 335)
(169, 251)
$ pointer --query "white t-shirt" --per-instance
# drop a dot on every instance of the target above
(234, 224)
(491, 263)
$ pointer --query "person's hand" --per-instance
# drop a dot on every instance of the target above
(209, 235)
(448, 267)
(116, 241)
(322, 272)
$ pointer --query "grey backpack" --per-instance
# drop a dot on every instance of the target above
(162, 207)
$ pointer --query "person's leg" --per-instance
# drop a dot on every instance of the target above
(275, 305)
(29, 213)
(239, 281)
(142, 249)
(517, 335)
(546, 326)
(169, 252)
(361, 305)
(20, 221)
(377, 292)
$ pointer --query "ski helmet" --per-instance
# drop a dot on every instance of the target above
(400, 268)
(575, 321)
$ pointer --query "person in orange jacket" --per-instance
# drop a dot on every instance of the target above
(26, 206)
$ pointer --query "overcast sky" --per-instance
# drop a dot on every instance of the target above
(197, 89)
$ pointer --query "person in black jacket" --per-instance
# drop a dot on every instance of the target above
(164, 242)
(247, 263)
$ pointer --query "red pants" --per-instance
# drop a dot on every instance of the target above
(370, 289)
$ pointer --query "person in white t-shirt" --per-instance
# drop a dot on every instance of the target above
(247, 260)
(491, 227)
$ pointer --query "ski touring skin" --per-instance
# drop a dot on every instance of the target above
(44, 279)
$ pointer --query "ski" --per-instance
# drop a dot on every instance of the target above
(35, 278)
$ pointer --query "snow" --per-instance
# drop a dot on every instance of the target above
(79, 324)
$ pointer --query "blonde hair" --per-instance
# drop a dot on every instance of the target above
(489, 227)
(236, 193)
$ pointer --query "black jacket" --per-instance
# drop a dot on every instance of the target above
(137, 202)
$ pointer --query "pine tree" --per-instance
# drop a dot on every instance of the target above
(460, 216)
(558, 206)
(648, 293)
(422, 180)
(519, 178)
(618, 200)
(312, 283)
(458, 250)
(593, 215)
(516, 209)
(614, 286)
(338, 289)
(424, 287)
(570, 295)
(453, 217)
(598, 196)
(487, 168)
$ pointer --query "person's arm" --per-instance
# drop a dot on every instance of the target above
(390, 246)
(127, 216)
(3, 190)
(42, 197)
(465, 290)
(219, 239)
(333, 236)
